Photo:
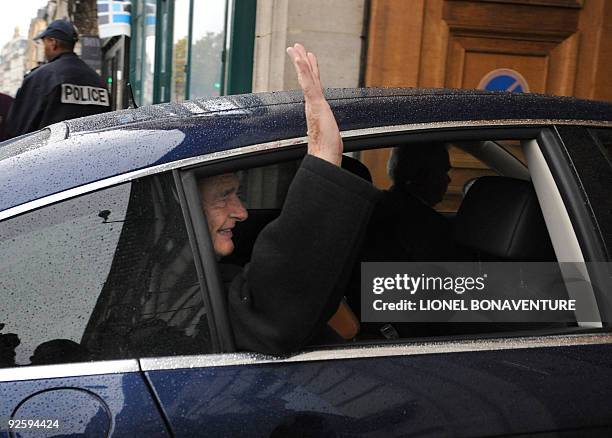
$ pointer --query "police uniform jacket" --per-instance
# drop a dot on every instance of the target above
(301, 261)
(5, 104)
(64, 88)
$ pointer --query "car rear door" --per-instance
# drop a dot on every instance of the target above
(511, 383)
(473, 388)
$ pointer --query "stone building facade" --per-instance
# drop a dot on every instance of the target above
(12, 68)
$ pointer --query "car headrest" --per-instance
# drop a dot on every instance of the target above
(356, 167)
(501, 217)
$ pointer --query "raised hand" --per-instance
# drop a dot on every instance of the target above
(324, 139)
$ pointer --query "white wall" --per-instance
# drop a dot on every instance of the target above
(330, 29)
(12, 66)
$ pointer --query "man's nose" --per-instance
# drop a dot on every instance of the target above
(239, 212)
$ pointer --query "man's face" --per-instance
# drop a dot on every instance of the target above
(223, 208)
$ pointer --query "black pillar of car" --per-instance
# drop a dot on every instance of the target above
(556, 145)
(205, 261)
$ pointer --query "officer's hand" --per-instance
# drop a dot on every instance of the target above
(324, 139)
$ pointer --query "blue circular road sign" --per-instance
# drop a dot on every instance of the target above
(504, 79)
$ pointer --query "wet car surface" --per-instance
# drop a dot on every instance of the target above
(107, 284)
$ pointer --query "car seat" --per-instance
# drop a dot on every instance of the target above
(500, 220)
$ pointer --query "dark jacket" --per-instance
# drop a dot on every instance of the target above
(64, 88)
(301, 261)
(5, 105)
(403, 228)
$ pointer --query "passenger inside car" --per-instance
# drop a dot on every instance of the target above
(498, 205)
(294, 283)
(404, 225)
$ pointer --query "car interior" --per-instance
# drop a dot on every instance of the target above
(498, 217)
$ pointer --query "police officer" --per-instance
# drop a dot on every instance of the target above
(62, 89)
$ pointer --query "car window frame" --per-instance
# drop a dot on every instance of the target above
(563, 236)
(354, 141)
(564, 148)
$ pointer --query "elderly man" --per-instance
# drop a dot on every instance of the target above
(295, 281)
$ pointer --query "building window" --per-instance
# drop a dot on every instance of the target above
(143, 50)
(207, 47)
(181, 49)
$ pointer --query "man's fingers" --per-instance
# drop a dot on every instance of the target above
(300, 65)
(300, 50)
(291, 53)
(297, 52)
(324, 140)
(306, 70)
(314, 66)
(294, 52)
(294, 56)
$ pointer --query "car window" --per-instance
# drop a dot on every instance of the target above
(514, 148)
(484, 232)
(465, 168)
(106, 275)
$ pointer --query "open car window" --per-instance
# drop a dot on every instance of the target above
(504, 221)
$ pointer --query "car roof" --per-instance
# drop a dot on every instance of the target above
(89, 149)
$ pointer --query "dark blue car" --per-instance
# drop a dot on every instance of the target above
(114, 319)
